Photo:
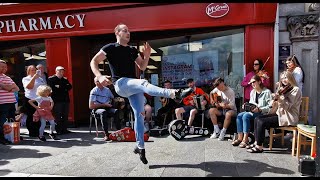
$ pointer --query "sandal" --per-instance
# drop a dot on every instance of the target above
(255, 150)
(250, 146)
(243, 144)
(236, 142)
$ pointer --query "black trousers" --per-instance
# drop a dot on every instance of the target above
(263, 122)
(61, 112)
(33, 127)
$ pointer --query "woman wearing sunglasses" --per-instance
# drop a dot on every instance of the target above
(260, 97)
(287, 111)
(257, 67)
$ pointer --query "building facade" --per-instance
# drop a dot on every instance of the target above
(189, 40)
(298, 34)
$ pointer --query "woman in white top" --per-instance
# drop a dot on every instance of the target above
(295, 68)
(30, 83)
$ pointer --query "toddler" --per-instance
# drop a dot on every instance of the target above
(43, 110)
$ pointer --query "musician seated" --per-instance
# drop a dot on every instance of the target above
(189, 110)
(222, 99)
(165, 113)
(100, 99)
(284, 110)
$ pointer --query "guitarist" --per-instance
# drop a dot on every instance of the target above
(189, 109)
(226, 106)
(167, 109)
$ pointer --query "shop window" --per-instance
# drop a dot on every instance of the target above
(202, 57)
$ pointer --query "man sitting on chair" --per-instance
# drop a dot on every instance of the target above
(100, 100)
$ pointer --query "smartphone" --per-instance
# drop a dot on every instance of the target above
(38, 72)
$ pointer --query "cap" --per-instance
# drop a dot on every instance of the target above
(59, 68)
(189, 80)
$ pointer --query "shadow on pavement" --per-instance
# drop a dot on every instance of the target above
(249, 168)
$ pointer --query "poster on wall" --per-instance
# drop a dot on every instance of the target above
(177, 68)
(205, 66)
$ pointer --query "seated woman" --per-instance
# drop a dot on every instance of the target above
(260, 97)
(286, 102)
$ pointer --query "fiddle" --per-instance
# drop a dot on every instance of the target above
(262, 73)
(283, 89)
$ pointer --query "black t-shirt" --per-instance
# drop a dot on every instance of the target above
(121, 60)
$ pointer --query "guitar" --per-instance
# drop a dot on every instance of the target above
(215, 99)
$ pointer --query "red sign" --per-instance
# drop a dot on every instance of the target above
(217, 10)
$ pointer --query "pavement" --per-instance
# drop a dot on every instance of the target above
(81, 154)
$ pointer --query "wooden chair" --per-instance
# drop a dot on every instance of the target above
(308, 131)
(303, 119)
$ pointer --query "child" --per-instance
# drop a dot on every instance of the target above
(43, 110)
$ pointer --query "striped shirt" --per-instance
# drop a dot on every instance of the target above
(5, 96)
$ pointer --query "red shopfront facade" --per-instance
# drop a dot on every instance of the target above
(66, 28)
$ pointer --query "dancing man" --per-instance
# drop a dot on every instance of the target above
(122, 59)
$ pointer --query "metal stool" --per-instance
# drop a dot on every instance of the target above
(95, 116)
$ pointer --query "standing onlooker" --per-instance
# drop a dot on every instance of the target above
(30, 83)
(294, 66)
(257, 69)
(7, 98)
(60, 95)
(43, 74)
(43, 110)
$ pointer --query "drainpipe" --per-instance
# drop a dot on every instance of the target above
(276, 49)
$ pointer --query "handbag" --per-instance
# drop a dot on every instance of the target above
(11, 131)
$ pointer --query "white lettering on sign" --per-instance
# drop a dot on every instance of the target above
(40, 24)
(217, 10)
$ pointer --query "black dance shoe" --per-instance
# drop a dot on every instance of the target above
(142, 154)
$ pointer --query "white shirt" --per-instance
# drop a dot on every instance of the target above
(298, 75)
(31, 93)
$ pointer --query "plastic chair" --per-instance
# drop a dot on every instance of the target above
(303, 119)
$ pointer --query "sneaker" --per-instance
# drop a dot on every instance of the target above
(221, 136)
(186, 92)
(106, 138)
(53, 136)
(175, 94)
(42, 138)
(146, 127)
(214, 135)
(142, 154)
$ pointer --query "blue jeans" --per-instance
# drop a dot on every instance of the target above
(243, 121)
(134, 90)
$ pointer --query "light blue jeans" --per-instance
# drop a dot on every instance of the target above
(43, 125)
(243, 121)
(134, 90)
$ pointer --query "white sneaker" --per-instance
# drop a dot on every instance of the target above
(221, 136)
(215, 135)
(146, 127)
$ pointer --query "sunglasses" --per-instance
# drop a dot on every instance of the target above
(256, 64)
